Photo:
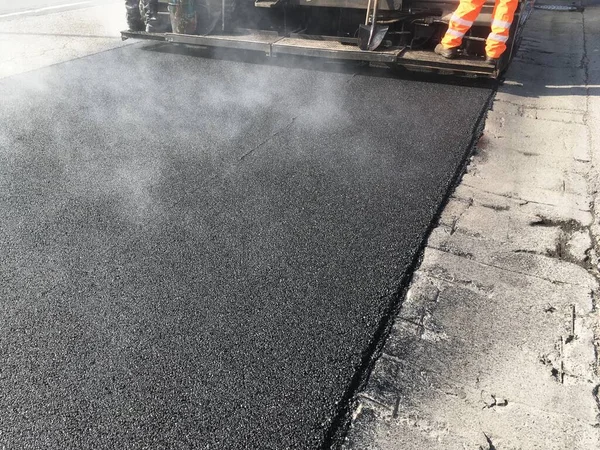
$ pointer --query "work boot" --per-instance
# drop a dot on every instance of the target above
(135, 25)
(153, 23)
(448, 53)
(490, 60)
(133, 16)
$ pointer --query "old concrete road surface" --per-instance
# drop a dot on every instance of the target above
(14, 8)
(197, 252)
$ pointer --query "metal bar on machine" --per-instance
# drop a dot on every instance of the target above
(236, 42)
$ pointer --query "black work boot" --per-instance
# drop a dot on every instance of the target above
(153, 22)
(133, 16)
(135, 25)
(448, 53)
(155, 25)
(490, 60)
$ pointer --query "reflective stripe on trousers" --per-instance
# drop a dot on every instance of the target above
(465, 15)
(504, 13)
(461, 22)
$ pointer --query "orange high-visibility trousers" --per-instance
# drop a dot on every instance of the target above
(465, 15)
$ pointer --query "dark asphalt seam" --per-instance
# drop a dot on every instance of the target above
(274, 135)
(352, 78)
(338, 427)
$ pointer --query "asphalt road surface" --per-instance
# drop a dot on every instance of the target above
(196, 252)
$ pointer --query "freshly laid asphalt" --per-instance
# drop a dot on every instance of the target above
(196, 252)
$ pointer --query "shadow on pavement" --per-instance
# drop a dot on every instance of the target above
(320, 65)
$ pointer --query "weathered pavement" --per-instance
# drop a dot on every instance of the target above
(33, 41)
(196, 252)
(496, 345)
(31, 7)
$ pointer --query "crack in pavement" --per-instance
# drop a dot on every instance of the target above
(519, 199)
(458, 282)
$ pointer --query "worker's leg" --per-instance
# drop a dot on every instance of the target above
(461, 22)
(134, 19)
(149, 10)
(504, 12)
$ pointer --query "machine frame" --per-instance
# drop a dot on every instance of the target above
(287, 34)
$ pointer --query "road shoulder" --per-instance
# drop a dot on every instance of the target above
(31, 42)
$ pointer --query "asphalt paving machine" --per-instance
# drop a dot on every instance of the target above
(400, 34)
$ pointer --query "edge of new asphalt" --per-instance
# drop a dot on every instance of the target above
(339, 426)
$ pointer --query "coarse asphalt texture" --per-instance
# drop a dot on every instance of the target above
(197, 251)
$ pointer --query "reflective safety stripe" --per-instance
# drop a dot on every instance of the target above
(501, 24)
(497, 37)
(455, 33)
(460, 21)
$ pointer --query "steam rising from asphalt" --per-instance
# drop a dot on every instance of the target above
(125, 150)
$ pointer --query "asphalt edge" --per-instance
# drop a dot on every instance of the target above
(339, 426)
